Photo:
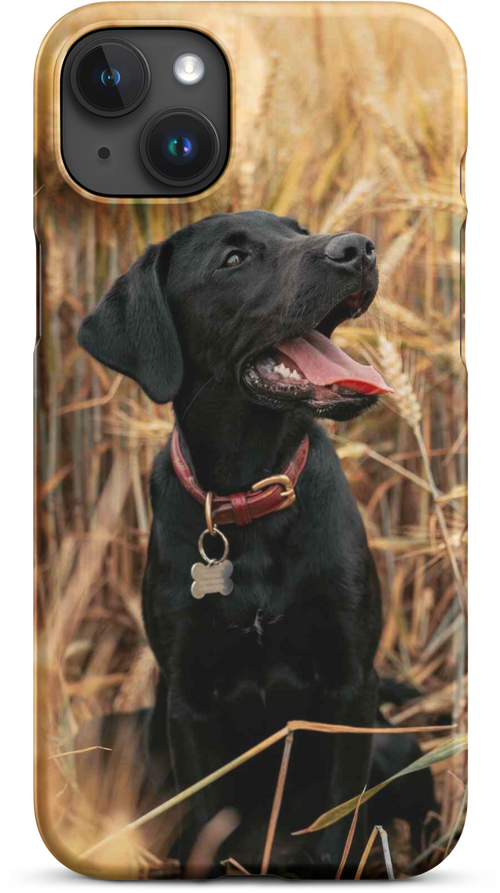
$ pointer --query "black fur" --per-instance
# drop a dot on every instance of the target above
(297, 637)
(412, 796)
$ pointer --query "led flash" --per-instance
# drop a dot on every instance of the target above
(189, 68)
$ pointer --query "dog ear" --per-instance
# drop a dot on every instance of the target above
(132, 330)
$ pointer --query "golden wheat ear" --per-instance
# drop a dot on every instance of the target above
(404, 396)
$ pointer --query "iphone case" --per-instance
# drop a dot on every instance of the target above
(346, 117)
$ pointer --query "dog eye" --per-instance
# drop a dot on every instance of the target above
(234, 259)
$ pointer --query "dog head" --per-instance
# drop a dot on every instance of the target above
(249, 300)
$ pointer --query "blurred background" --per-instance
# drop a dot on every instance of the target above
(346, 117)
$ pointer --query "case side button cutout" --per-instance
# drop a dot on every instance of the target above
(36, 329)
(462, 263)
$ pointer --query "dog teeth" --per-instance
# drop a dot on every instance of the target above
(285, 372)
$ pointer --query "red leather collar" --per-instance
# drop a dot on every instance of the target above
(272, 494)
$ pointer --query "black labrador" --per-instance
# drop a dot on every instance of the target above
(231, 319)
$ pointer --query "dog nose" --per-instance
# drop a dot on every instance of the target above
(350, 251)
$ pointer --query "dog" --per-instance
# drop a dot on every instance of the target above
(410, 797)
(231, 319)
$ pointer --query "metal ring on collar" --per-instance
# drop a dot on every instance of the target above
(202, 550)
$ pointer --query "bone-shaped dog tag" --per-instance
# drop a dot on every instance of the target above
(212, 577)
(215, 575)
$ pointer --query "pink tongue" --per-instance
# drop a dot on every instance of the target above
(323, 363)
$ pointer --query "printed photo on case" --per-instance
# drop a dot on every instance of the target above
(251, 522)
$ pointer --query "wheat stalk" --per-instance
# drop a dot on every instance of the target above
(401, 315)
(247, 183)
(410, 410)
(402, 144)
(352, 206)
(400, 247)
(404, 396)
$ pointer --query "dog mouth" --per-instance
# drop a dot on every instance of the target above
(312, 368)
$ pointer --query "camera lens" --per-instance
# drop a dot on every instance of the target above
(110, 77)
(179, 145)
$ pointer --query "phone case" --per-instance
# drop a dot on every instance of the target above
(243, 730)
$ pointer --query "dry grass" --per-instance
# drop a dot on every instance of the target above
(364, 137)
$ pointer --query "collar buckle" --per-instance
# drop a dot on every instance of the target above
(288, 495)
